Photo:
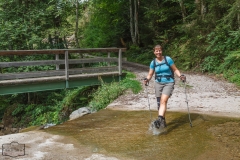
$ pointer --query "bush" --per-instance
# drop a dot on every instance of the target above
(231, 67)
(138, 55)
(210, 64)
(107, 93)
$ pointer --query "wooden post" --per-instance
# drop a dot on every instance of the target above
(57, 58)
(120, 63)
(109, 55)
(66, 69)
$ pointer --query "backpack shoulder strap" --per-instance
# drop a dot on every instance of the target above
(154, 64)
(169, 66)
(166, 61)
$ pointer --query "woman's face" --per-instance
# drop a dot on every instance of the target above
(158, 52)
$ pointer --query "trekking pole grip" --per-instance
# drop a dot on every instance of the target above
(183, 78)
(147, 83)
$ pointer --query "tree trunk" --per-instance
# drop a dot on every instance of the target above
(197, 2)
(238, 20)
(238, 14)
(76, 30)
(131, 22)
(201, 8)
(136, 21)
(76, 27)
(183, 10)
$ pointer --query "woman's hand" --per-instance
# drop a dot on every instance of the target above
(146, 81)
(183, 78)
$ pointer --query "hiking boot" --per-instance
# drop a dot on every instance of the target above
(157, 123)
(160, 123)
(163, 123)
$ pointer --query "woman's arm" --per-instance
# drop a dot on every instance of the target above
(149, 76)
(177, 72)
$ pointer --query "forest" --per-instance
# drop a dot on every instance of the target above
(201, 36)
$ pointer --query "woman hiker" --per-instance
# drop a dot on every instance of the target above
(164, 69)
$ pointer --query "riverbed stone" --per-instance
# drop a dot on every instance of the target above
(79, 113)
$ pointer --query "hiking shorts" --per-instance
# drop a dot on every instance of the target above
(164, 88)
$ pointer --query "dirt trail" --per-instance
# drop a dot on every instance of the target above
(205, 94)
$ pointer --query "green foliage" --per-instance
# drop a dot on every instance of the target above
(131, 83)
(27, 68)
(74, 99)
(139, 55)
(24, 24)
(46, 107)
(222, 41)
(106, 24)
(231, 19)
(109, 92)
(33, 114)
(4, 103)
(210, 64)
(105, 95)
(232, 61)
(231, 67)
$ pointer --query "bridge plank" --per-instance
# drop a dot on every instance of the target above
(55, 78)
(56, 62)
(61, 72)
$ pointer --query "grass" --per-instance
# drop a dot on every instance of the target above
(107, 93)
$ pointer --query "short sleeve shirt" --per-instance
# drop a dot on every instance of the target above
(162, 69)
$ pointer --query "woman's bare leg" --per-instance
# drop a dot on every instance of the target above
(163, 105)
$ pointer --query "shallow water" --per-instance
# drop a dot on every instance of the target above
(126, 135)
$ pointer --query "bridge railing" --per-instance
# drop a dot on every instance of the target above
(65, 69)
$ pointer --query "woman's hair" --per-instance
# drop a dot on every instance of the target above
(157, 46)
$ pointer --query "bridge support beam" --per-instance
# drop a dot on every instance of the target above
(54, 85)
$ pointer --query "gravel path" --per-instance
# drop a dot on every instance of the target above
(205, 94)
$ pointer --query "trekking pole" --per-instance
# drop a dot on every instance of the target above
(146, 86)
(187, 103)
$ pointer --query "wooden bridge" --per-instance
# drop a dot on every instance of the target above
(63, 72)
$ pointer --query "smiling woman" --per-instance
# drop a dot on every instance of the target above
(164, 69)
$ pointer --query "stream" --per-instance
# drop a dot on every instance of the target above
(126, 135)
